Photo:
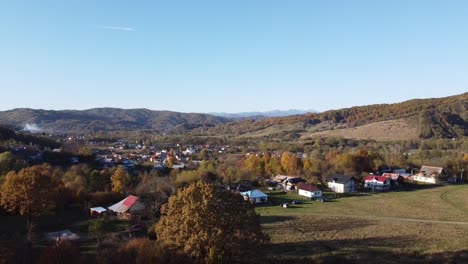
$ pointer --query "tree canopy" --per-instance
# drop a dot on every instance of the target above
(120, 180)
(210, 225)
(30, 192)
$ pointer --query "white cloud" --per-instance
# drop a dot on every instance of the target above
(117, 28)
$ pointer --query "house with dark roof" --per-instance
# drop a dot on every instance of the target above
(292, 183)
(396, 179)
(376, 183)
(342, 183)
(308, 190)
(288, 183)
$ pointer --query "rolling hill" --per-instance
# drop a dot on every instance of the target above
(418, 118)
(106, 119)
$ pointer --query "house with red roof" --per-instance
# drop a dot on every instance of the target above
(128, 207)
(376, 183)
(396, 180)
(309, 191)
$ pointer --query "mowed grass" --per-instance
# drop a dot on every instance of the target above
(441, 203)
(371, 229)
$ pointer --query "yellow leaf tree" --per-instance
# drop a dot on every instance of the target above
(31, 192)
(120, 180)
(290, 163)
(210, 225)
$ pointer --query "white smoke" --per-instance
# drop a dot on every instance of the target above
(33, 128)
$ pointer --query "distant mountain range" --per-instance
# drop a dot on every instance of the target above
(419, 118)
(255, 115)
(106, 119)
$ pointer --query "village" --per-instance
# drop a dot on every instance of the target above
(281, 190)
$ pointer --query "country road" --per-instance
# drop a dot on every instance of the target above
(387, 218)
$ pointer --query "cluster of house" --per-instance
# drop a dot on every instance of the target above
(340, 183)
(346, 184)
(386, 181)
(128, 155)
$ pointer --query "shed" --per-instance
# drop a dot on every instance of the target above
(255, 196)
(97, 210)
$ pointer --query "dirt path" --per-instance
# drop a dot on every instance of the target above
(388, 218)
(445, 197)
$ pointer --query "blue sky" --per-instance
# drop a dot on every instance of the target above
(231, 56)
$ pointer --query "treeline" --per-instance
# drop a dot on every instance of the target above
(317, 166)
(9, 137)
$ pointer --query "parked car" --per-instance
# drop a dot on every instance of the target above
(296, 202)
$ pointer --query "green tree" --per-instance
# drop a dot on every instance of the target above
(274, 166)
(203, 155)
(210, 225)
(75, 179)
(97, 229)
(7, 161)
(96, 181)
(85, 151)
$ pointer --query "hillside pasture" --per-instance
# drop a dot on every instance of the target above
(391, 130)
(429, 225)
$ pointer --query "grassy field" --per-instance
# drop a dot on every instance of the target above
(400, 129)
(384, 227)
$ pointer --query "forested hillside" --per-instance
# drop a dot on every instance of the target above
(433, 118)
(9, 138)
(107, 119)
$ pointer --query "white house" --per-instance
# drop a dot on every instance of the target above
(342, 183)
(255, 196)
(377, 183)
(309, 191)
(428, 174)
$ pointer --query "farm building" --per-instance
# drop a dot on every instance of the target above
(309, 191)
(255, 196)
(289, 183)
(97, 211)
(377, 183)
(342, 183)
(129, 207)
(429, 174)
(396, 179)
